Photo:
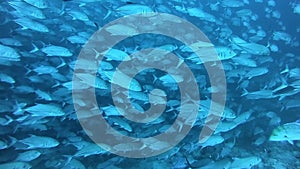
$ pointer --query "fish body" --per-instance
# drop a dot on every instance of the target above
(15, 165)
(27, 23)
(287, 132)
(54, 50)
(45, 110)
(34, 142)
(28, 155)
(245, 163)
(8, 54)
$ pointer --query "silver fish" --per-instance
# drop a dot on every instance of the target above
(8, 54)
(27, 23)
(287, 132)
(34, 142)
(42, 4)
(28, 155)
(15, 165)
(53, 50)
(45, 110)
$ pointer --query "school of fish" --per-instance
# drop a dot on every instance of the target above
(257, 41)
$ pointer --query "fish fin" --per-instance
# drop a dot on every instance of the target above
(97, 25)
(179, 63)
(63, 63)
(286, 70)
(155, 78)
(188, 162)
(12, 141)
(9, 119)
(245, 92)
(62, 10)
(32, 135)
(241, 78)
(28, 70)
(281, 97)
(282, 108)
(82, 4)
(107, 14)
(56, 84)
(291, 142)
(69, 158)
(35, 48)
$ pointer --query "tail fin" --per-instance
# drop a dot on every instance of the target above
(286, 70)
(245, 92)
(35, 48)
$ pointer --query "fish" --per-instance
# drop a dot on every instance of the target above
(27, 23)
(45, 110)
(232, 3)
(243, 117)
(225, 127)
(121, 30)
(250, 41)
(260, 94)
(8, 54)
(74, 164)
(297, 9)
(123, 80)
(11, 42)
(286, 132)
(28, 155)
(111, 111)
(34, 142)
(170, 79)
(205, 108)
(212, 141)
(242, 61)
(25, 9)
(42, 4)
(256, 49)
(88, 79)
(6, 121)
(89, 149)
(294, 73)
(290, 104)
(250, 47)
(76, 39)
(122, 124)
(279, 35)
(78, 15)
(225, 53)
(117, 55)
(199, 13)
(16, 165)
(260, 140)
(138, 96)
(45, 69)
(130, 9)
(245, 162)
(6, 78)
(224, 164)
(196, 45)
(7, 143)
(53, 50)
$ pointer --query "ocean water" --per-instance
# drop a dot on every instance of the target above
(149, 84)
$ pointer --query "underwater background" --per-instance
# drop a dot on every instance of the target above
(257, 43)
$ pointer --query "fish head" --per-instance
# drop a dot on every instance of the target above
(254, 161)
(278, 134)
